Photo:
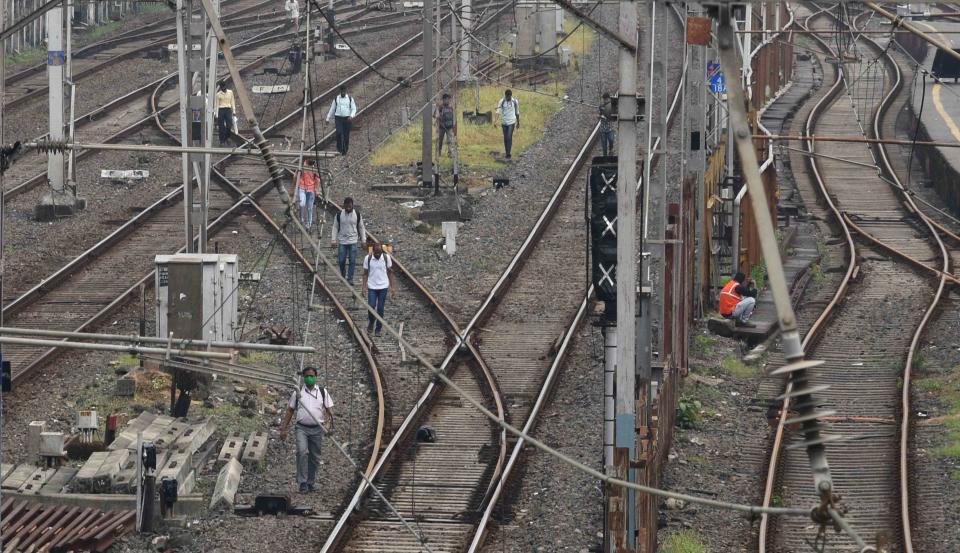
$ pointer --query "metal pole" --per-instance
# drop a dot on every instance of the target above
(209, 107)
(47, 145)
(465, 45)
(55, 63)
(71, 160)
(113, 347)
(609, 397)
(141, 339)
(184, 8)
(427, 139)
(626, 381)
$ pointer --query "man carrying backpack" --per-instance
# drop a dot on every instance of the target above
(348, 230)
(313, 407)
(343, 109)
(446, 120)
(509, 111)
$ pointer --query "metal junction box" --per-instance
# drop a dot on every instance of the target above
(197, 296)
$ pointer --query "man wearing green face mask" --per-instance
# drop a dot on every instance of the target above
(314, 409)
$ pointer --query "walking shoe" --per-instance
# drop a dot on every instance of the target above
(369, 329)
(507, 156)
(304, 488)
(379, 333)
(745, 325)
(309, 487)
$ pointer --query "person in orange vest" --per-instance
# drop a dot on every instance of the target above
(737, 300)
(307, 183)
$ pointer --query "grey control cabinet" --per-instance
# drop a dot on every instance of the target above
(197, 296)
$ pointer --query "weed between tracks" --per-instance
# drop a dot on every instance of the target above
(684, 541)
(947, 390)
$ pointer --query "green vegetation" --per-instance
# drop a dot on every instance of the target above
(101, 31)
(759, 274)
(684, 541)
(776, 501)
(947, 389)
(688, 411)
(478, 144)
(919, 360)
(125, 360)
(703, 344)
(737, 368)
(581, 41)
(816, 273)
(28, 56)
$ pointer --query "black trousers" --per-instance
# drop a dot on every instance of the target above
(343, 134)
(224, 123)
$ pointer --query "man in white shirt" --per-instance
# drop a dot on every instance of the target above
(509, 112)
(314, 410)
(378, 282)
(293, 10)
(343, 109)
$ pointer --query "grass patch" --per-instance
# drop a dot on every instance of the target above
(703, 344)
(30, 55)
(947, 389)
(227, 417)
(125, 360)
(684, 541)
(759, 275)
(735, 367)
(816, 273)
(581, 39)
(101, 31)
(477, 143)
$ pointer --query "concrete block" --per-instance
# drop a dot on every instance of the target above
(171, 435)
(103, 479)
(228, 481)
(125, 480)
(127, 439)
(195, 436)
(177, 467)
(84, 478)
(126, 386)
(255, 452)
(18, 476)
(51, 444)
(450, 236)
(58, 481)
(232, 448)
(156, 428)
(33, 437)
(187, 484)
(36, 481)
(54, 205)
(6, 469)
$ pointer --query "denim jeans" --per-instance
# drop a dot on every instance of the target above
(377, 299)
(306, 207)
(508, 138)
(744, 309)
(606, 142)
(347, 252)
(343, 134)
(309, 440)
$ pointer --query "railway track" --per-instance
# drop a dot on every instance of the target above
(31, 83)
(866, 374)
(451, 487)
(85, 290)
(125, 115)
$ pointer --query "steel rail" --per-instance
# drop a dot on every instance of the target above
(820, 324)
(846, 223)
(119, 234)
(266, 37)
(561, 355)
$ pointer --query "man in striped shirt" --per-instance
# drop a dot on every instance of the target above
(343, 109)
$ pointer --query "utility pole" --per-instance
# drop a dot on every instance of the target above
(547, 22)
(427, 152)
(59, 201)
(196, 116)
(622, 509)
(465, 43)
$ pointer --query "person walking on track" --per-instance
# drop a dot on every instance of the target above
(607, 117)
(737, 300)
(343, 110)
(226, 108)
(446, 119)
(308, 181)
(377, 282)
(348, 231)
(509, 111)
(313, 408)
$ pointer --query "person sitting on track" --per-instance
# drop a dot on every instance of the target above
(737, 300)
